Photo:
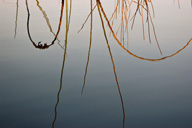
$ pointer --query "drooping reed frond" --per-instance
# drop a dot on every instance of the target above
(41, 45)
(114, 70)
(128, 51)
(126, 8)
(91, 29)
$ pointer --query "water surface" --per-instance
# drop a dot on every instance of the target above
(41, 88)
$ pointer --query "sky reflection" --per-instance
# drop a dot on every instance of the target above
(101, 86)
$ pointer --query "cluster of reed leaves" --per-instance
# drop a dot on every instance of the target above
(143, 9)
(110, 25)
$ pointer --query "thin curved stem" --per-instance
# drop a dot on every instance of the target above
(128, 51)
(114, 70)
(91, 28)
(45, 45)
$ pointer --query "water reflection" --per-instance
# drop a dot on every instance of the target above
(41, 45)
(114, 70)
(142, 5)
(126, 8)
(128, 51)
(91, 28)
(140, 8)
(68, 17)
(178, 2)
(46, 19)
(16, 18)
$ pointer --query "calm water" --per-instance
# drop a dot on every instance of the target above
(42, 88)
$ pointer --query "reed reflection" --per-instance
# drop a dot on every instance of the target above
(139, 9)
(125, 7)
(16, 18)
(178, 2)
(41, 45)
(46, 19)
(114, 70)
(128, 51)
(109, 49)
(91, 29)
(68, 17)
(141, 6)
